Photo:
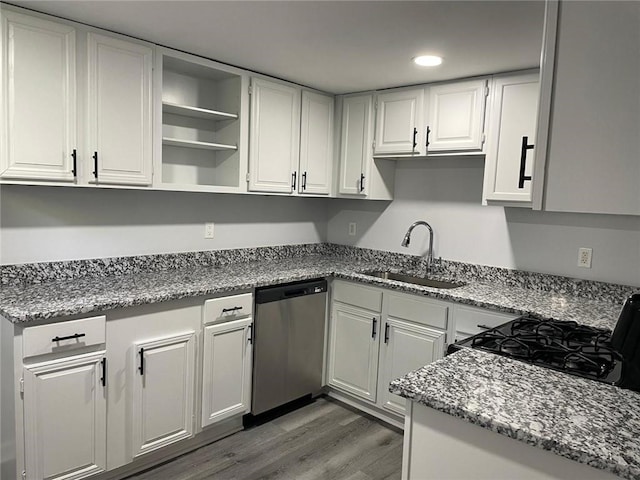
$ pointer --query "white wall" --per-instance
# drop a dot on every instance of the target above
(59, 223)
(447, 194)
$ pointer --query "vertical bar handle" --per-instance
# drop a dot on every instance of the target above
(362, 182)
(427, 136)
(250, 333)
(386, 333)
(415, 138)
(74, 168)
(95, 165)
(294, 177)
(103, 379)
(373, 327)
(304, 181)
(523, 161)
(141, 367)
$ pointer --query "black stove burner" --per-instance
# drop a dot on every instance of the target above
(560, 345)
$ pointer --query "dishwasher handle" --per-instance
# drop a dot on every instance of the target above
(290, 290)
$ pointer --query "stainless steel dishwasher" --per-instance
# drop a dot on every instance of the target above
(288, 343)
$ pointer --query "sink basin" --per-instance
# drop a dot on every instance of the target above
(425, 282)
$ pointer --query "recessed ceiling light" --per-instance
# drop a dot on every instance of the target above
(427, 60)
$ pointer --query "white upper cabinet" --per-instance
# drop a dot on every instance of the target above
(592, 164)
(316, 144)
(38, 132)
(355, 149)
(274, 137)
(456, 116)
(201, 120)
(400, 127)
(119, 110)
(511, 142)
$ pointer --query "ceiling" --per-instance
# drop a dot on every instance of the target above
(334, 46)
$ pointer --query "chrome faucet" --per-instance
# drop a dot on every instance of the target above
(407, 240)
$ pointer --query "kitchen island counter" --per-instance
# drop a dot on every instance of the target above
(583, 420)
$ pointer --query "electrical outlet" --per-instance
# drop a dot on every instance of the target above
(352, 229)
(208, 230)
(584, 257)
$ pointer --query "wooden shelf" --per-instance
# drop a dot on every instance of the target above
(196, 112)
(176, 142)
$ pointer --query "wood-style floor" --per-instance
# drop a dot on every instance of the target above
(323, 440)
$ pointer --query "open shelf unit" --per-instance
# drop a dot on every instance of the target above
(202, 110)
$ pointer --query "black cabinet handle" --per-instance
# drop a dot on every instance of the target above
(304, 181)
(103, 379)
(386, 333)
(95, 165)
(427, 135)
(373, 328)
(226, 310)
(523, 161)
(362, 182)
(141, 367)
(415, 138)
(74, 156)
(483, 326)
(249, 339)
(70, 337)
(294, 176)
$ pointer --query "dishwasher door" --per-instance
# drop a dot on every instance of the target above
(288, 343)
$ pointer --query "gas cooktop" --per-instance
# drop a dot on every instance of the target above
(560, 345)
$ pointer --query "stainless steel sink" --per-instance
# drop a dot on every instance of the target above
(425, 282)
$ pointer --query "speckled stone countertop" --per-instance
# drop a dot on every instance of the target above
(580, 419)
(74, 294)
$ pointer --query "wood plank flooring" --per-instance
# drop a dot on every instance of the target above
(323, 440)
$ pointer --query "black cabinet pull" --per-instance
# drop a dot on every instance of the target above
(141, 367)
(386, 333)
(483, 326)
(74, 168)
(70, 337)
(103, 379)
(361, 182)
(304, 181)
(373, 328)
(249, 339)
(523, 161)
(226, 310)
(294, 176)
(95, 165)
(427, 135)
(415, 138)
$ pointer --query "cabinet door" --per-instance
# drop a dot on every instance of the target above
(119, 111)
(38, 135)
(226, 384)
(399, 123)
(316, 144)
(356, 149)
(65, 418)
(406, 347)
(274, 136)
(353, 351)
(163, 390)
(514, 111)
(456, 116)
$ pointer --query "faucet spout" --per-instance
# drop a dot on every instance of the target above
(407, 240)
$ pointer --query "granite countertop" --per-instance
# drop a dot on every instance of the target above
(60, 298)
(584, 420)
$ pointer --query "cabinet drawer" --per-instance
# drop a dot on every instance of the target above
(360, 296)
(471, 320)
(228, 308)
(63, 336)
(419, 310)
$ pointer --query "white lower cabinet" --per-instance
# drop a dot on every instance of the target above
(162, 392)
(226, 370)
(369, 348)
(353, 361)
(65, 411)
(407, 347)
